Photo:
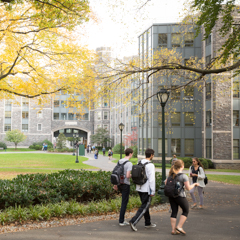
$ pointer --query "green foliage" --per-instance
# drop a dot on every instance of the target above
(3, 145)
(15, 136)
(117, 148)
(101, 137)
(204, 162)
(135, 151)
(61, 141)
(39, 145)
(207, 163)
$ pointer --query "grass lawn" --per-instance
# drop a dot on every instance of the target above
(38, 163)
(18, 150)
(223, 170)
(225, 178)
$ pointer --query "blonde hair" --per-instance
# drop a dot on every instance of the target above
(174, 156)
(175, 167)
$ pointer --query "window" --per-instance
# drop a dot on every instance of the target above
(189, 147)
(162, 40)
(208, 91)
(99, 116)
(208, 148)
(176, 94)
(208, 60)
(56, 116)
(85, 116)
(189, 93)
(39, 114)
(8, 114)
(7, 127)
(25, 102)
(61, 131)
(235, 148)
(209, 39)
(63, 104)
(63, 116)
(24, 127)
(160, 119)
(70, 116)
(208, 118)
(105, 115)
(149, 142)
(160, 147)
(176, 39)
(99, 126)
(39, 127)
(105, 104)
(235, 88)
(105, 126)
(189, 39)
(189, 118)
(176, 119)
(176, 146)
(75, 131)
(235, 118)
(56, 103)
(8, 103)
(68, 130)
(25, 115)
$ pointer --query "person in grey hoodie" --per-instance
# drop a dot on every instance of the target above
(146, 192)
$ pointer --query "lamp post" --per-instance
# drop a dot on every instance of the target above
(75, 135)
(163, 96)
(121, 127)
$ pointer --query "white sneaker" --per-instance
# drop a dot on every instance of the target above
(133, 227)
(151, 226)
(124, 224)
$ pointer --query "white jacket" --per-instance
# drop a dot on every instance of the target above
(149, 186)
(201, 176)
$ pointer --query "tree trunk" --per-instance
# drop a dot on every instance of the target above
(15, 146)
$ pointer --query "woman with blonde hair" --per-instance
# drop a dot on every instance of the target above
(181, 200)
(196, 173)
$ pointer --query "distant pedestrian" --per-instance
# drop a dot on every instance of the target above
(181, 200)
(109, 154)
(103, 150)
(87, 149)
(90, 148)
(197, 175)
(125, 187)
(43, 146)
(96, 153)
(174, 159)
(146, 192)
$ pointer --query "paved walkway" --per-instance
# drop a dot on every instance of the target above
(219, 220)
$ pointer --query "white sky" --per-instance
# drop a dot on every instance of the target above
(120, 22)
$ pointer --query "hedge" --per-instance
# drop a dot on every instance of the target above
(207, 163)
(82, 186)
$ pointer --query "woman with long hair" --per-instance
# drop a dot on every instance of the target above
(181, 200)
(196, 173)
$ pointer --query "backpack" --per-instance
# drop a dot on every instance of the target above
(172, 187)
(205, 179)
(117, 176)
(139, 176)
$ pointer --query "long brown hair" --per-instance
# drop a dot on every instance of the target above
(198, 161)
(175, 167)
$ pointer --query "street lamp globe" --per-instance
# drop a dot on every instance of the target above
(121, 126)
(163, 96)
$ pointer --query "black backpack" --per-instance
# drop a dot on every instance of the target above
(139, 176)
(172, 187)
(205, 179)
(117, 176)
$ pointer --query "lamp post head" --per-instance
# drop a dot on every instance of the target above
(163, 96)
(121, 126)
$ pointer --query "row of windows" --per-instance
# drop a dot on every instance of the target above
(7, 127)
(99, 115)
(70, 116)
(189, 119)
(177, 39)
(25, 114)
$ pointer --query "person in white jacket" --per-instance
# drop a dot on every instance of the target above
(146, 192)
(196, 173)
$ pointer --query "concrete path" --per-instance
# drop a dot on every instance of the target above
(219, 220)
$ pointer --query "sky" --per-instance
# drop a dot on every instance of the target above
(120, 22)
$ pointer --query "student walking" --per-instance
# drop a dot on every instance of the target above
(125, 188)
(181, 200)
(109, 154)
(197, 175)
(146, 192)
(174, 159)
(103, 150)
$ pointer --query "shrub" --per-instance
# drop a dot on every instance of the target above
(117, 148)
(38, 147)
(135, 151)
(204, 162)
(210, 163)
(3, 145)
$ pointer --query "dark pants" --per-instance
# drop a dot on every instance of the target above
(125, 190)
(143, 210)
(179, 201)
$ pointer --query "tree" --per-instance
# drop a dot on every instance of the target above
(101, 137)
(15, 136)
(39, 49)
(61, 141)
(131, 140)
